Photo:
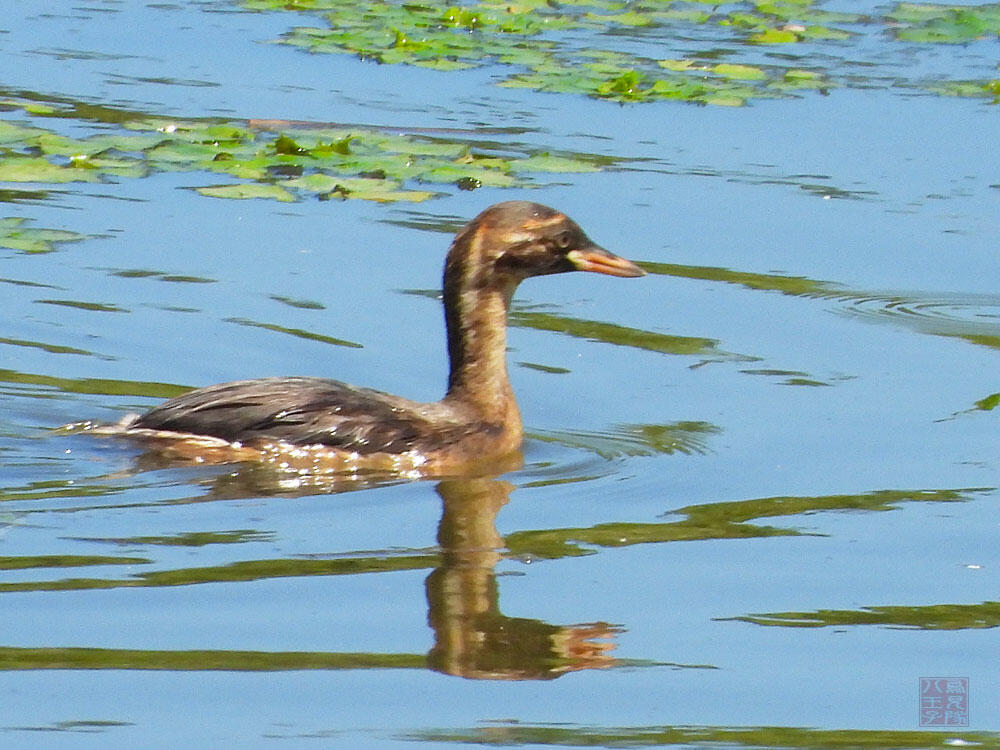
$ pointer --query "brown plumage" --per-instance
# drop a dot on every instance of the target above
(339, 426)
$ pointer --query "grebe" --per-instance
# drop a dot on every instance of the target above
(315, 424)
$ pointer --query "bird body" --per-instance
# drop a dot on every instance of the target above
(315, 424)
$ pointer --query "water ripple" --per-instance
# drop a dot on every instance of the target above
(972, 317)
(969, 316)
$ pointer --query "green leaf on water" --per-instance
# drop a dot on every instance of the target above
(15, 235)
(989, 403)
(34, 108)
(946, 24)
(340, 146)
(774, 36)
(679, 66)
(381, 191)
(526, 37)
(739, 72)
(182, 152)
(823, 32)
(39, 169)
(329, 162)
(12, 133)
(627, 85)
(552, 163)
(410, 146)
(451, 173)
(971, 89)
(245, 191)
(625, 18)
(288, 147)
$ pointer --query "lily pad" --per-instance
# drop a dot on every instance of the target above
(555, 163)
(989, 403)
(739, 72)
(382, 191)
(16, 236)
(949, 24)
(534, 40)
(37, 169)
(775, 36)
(281, 161)
(247, 191)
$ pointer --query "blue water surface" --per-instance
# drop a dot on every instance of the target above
(833, 448)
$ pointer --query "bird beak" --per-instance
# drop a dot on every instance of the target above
(598, 260)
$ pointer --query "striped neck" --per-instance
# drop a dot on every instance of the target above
(476, 303)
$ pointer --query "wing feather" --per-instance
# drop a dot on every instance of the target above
(298, 410)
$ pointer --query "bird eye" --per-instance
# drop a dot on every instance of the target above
(563, 240)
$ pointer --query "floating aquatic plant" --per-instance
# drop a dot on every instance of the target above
(539, 39)
(926, 617)
(276, 161)
(989, 403)
(947, 24)
(15, 235)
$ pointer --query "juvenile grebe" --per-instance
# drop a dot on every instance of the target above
(307, 423)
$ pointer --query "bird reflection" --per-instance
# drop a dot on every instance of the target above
(472, 637)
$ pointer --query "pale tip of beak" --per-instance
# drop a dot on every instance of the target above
(598, 260)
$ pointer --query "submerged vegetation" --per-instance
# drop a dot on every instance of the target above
(725, 53)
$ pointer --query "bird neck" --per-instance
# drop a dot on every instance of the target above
(476, 320)
(477, 349)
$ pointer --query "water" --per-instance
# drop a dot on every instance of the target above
(757, 502)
